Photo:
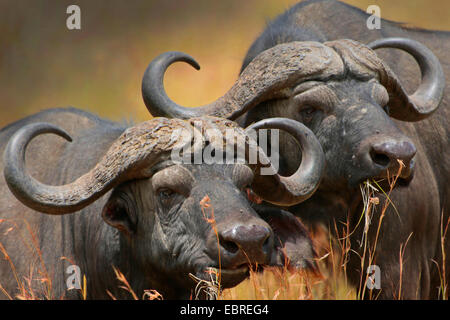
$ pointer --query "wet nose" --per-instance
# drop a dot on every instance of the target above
(386, 153)
(246, 243)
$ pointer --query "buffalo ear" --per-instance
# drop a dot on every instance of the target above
(119, 213)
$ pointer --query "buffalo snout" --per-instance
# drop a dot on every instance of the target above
(241, 242)
(380, 156)
(246, 243)
(386, 153)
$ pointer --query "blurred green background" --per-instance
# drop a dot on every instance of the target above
(99, 68)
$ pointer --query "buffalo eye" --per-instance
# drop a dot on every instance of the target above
(307, 113)
(165, 193)
(167, 197)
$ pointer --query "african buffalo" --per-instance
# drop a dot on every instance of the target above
(311, 64)
(157, 230)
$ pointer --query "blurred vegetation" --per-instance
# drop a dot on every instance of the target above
(99, 68)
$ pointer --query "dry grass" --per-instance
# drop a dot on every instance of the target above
(279, 284)
(37, 271)
(443, 289)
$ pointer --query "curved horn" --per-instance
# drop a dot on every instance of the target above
(288, 191)
(153, 92)
(267, 76)
(428, 95)
(23, 186)
(129, 157)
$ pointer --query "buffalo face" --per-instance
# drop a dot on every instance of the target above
(350, 118)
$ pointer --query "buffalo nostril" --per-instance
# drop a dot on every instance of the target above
(228, 245)
(380, 159)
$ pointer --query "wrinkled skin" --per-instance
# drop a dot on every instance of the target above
(350, 114)
(153, 230)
